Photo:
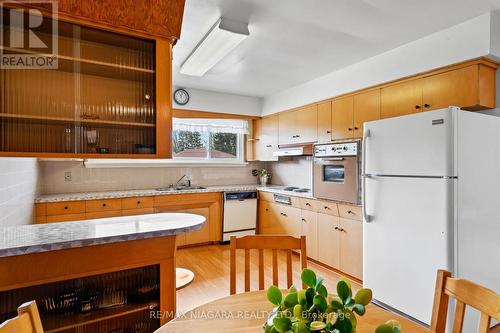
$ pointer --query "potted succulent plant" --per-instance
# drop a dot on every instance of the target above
(263, 174)
(313, 310)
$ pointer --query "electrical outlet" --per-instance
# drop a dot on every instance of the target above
(67, 176)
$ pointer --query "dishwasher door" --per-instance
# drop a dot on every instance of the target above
(240, 214)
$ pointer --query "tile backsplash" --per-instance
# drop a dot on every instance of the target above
(292, 171)
(109, 179)
(19, 185)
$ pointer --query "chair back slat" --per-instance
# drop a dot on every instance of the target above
(275, 267)
(458, 322)
(261, 269)
(261, 243)
(27, 320)
(247, 269)
(466, 293)
(289, 276)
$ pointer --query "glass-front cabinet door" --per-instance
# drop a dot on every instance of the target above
(96, 97)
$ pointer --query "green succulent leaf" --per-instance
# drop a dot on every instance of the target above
(292, 289)
(384, 328)
(337, 304)
(363, 296)
(310, 296)
(319, 282)
(290, 300)
(301, 297)
(308, 277)
(300, 328)
(317, 326)
(349, 301)
(322, 291)
(282, 324)
(359, 309)
(274, 295)
(344, 291)
(320, 303)
(343, 325)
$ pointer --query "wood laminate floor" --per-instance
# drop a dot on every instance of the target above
(210, 265)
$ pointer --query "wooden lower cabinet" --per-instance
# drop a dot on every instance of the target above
(328, 240)
(351, 247)
(309, 228)
(208, 205)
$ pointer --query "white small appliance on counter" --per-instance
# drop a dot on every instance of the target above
(431, 183)
(240, 214)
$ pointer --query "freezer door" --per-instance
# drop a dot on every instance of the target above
(417, 145)
(408, 239)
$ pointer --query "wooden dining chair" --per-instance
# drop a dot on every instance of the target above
(27, 320)
(261, 243)
(465, 293)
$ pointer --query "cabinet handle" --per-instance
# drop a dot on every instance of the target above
(417, 107)
(356, 128)
(340, 229)
(328, 132)
(326, 207)
(427, 105)
(350, 212)
(283, 214)
(350, 129)
(298, 136)
(268, 146)
(336, 228)
(308, 204)
(304, 220)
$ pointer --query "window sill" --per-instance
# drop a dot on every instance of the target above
(157, 163)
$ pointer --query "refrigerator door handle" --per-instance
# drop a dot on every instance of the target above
(366, 217)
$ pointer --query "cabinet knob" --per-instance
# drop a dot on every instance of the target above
(350, 129)
(138, 202)
(328, 132)
(268, 146)
(356, 128)
(340, 229)
(427, 105)
(267, 209)
(350, 212)
(326, 207)
(308, 204)
(336, 228)
(104, 205)
(65, 207)
(303, 220)
(417, 107)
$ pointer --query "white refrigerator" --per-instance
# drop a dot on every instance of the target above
(431, 200)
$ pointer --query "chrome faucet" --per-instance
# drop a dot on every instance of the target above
(187, 182)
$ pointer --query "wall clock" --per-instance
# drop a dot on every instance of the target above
(181, 96)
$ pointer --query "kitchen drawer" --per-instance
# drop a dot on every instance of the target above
(328, 207)
(103, 214)
(266, 196)
(103, 205)
(310, 204)
(40, 219)
(40, 209)
(64, 208)
(65, 218)
(350, 212)
(138, 211)
(137, 203)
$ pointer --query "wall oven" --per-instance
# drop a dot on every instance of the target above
(336, 171)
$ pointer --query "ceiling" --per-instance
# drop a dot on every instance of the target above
(294, 41)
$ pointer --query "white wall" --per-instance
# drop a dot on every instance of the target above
(467, 40)
(204, 100)
(18, 189)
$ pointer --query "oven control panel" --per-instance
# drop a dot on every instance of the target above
(336, 149)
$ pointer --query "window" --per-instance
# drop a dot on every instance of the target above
(208, 139)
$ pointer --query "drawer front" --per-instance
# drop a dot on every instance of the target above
(103, 214)
(103, 205)
(40, 209)
(63, 208)
(139, 211)
(66, 218)
(137, 203)
(310, 204)
(350, 212)
(266, 196)
(327, 207)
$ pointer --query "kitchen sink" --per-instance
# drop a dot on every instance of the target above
(180, 188)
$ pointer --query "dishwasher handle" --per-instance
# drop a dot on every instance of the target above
(240, 196)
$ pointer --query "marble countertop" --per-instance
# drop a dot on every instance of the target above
(33, 238)
(136, 193)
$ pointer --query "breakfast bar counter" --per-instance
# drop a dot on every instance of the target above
(89, 253)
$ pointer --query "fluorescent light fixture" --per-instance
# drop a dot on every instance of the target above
(221, 39)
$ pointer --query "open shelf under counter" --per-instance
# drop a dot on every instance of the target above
(60, 323)
(63, 120)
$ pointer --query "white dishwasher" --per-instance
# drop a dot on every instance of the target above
(240, 214)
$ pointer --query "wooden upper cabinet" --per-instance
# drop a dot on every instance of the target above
(108, 97)
(325, 121)
(342, 118)
(307, 124)
(401, 99)
(160, 18)
(267, 137)
(366, 108)
(287, 123)
(470, 88)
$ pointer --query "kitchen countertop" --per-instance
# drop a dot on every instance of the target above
(34, 238)
(136, 193)
(280, 190)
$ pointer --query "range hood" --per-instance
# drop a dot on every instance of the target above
(294, 150)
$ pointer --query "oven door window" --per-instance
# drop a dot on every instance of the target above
(333, 173)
